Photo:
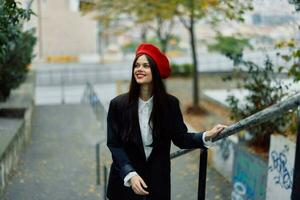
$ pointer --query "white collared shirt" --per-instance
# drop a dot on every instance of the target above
(144, 111)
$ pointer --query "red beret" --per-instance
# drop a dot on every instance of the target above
(159, 58)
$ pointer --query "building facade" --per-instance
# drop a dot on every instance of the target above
(63, 33)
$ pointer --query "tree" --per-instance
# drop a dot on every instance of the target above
(143, 13)
(162, 13)
(191, 11)
(16, 46)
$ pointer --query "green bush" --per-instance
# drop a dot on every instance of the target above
(264, 90)
(16, 46)
(182, 69)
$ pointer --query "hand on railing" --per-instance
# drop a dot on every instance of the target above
(215, 131)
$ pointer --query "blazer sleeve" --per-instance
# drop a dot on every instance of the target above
(119, 156)
(180, 135)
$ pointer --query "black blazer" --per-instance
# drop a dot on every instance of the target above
(129, 157)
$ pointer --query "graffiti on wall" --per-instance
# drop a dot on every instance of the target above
(280, 168)
(249, 176)
(239, 191)
(281, 174)
(224, 148)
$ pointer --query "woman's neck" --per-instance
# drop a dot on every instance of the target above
(146, 91)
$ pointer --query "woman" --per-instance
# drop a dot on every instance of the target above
(140, 127)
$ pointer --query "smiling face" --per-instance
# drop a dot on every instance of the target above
(142, 71)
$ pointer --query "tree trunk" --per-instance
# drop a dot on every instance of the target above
(144, 35)
(164, 44)
(195, 61)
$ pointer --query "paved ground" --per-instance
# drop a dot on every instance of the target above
(59, 164)
(184, 178)
(185, 170)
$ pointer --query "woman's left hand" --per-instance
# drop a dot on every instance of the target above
(214, 131)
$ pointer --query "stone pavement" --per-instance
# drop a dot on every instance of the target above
(185, 170)
(184, 178)
(59, 164)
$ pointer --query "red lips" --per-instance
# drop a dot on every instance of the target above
(140, 75)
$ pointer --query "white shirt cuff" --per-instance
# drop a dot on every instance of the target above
(207, 143)
(128, 177)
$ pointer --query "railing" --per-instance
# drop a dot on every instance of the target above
(91, 98)
(253, 120)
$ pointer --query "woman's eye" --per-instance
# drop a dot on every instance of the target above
(146, 66)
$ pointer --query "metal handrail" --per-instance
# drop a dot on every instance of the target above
(253, 120)
(261, 116)
(90, 96)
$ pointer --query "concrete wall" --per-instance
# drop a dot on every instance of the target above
(13, 148)
(15, 133)
(280, 168)
(222, 156)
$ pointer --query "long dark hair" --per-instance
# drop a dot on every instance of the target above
(158, 114)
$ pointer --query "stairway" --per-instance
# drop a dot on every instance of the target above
(59, 164)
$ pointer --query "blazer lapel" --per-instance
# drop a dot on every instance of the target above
(137, 130)
(140, 140)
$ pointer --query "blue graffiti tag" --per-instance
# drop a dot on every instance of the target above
(279, 165)
(224, 148)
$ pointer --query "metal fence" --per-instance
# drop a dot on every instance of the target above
(91, 98)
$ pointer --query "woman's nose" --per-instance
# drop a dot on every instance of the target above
(140, 67)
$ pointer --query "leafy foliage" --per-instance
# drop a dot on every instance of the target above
(292, 58)
(262, 86)
(182, 69)
(296, 3)
(16, 46)
(230, 46)
(157, 16)
(264, 90)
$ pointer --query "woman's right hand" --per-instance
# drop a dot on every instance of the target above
(138, 185)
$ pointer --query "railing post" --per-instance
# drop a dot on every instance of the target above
(105, 181)
(98, 164)
(202, 174)
(296, 179)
